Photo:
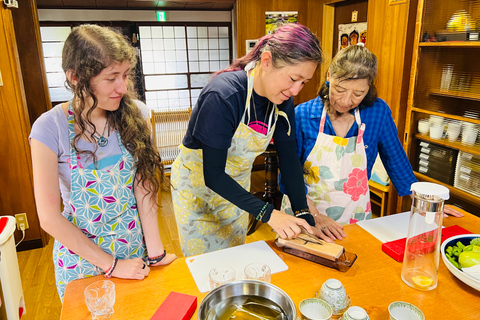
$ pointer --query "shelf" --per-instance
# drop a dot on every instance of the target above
(453, 191)
(446, 115)
(456, 94)
(454, 145)
(454, 44)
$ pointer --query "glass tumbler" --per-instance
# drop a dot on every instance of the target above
(258, 271)
(422, 250)
(220, 275)
(100, 298)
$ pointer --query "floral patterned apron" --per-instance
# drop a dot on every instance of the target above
(335, 174)
(103, 206)
(206, 221)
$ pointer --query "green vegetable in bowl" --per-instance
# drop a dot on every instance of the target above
(470, 255)
(469, 258)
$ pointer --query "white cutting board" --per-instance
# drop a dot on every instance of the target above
(236, 257)
(387, 228)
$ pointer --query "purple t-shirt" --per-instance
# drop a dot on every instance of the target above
(51, 129)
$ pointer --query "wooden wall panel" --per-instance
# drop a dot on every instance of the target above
(251, 25)
(390, 36)
(16, 186)
(29, 44)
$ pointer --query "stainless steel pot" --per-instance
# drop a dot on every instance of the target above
(248, 288)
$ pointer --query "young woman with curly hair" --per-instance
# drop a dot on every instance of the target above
(98, 147)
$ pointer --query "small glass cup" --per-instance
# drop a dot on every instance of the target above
(258, 271)
(221, 275)
(100, 298)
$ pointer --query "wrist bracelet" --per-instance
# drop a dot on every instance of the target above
(108, 273)
(302, 212)
(157, 259)
(262, 212)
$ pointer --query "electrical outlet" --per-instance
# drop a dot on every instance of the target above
(21, 219)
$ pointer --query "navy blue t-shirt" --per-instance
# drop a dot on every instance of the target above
(220, 108)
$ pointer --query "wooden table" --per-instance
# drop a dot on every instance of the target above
(372, 283)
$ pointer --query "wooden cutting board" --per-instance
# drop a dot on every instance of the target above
(327, 250)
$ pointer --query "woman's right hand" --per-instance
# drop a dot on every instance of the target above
(131, 269)
(326, 228)
(287, 226)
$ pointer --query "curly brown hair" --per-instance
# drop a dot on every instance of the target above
(87, 51)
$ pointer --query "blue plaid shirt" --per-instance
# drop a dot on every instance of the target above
(380, 137)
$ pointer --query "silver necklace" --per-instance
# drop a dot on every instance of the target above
(255, 110)
(102, 141)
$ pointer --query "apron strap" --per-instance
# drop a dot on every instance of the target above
(361, 126)
(283, 114)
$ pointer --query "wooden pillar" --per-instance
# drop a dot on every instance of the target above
(16, 184)
(29, 44)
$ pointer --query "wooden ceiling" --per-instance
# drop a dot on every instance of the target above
(137, 4)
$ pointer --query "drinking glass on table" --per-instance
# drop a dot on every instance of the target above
(221, 275)
(258, 271)
(100, 298)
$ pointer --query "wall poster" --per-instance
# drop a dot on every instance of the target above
(351, 34)
(275, 19)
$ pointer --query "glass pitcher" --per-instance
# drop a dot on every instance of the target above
(422, 250)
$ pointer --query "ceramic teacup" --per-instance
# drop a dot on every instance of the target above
(355, 313)
(436, 131)
(400, 310)
(423, 126)
(436, 120)
(469, 136)
(453, 131)
(333, 292)
(314, 309)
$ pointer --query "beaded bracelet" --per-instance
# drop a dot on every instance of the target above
(262, 212)
(157, 259)
(302, 212)
(108, 273)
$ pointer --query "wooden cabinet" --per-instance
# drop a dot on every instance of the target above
(445, 82)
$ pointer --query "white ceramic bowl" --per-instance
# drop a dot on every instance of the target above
(462, 276)
(400, 310)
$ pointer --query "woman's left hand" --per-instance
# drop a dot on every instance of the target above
(448, 210)
(169, 257)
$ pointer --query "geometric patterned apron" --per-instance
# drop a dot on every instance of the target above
(103, 206)
(335, 174)
(205, 220)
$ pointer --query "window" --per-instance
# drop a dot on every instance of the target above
(178, 61)
(52, 45)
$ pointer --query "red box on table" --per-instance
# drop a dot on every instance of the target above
(396, 248)
(177, 306)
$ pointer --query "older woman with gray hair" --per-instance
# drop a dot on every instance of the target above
(339, 134)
